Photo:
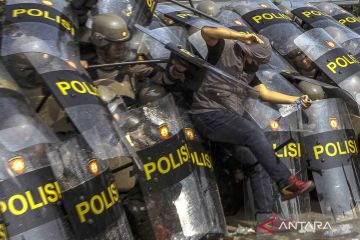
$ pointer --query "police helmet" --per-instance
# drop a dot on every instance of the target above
(208, 7)
(107, 28)
(315, 92)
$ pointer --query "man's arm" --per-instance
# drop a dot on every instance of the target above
(267, 95)
(212, 35)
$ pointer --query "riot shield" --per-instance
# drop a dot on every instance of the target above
(39, 38)
(171, 189)
(311, 17)
(331, 147)
(277, 64)
(184, 17)
(89, 193)
(268, 20)
(340, 67)
(173, 34)
(341, 15)
(190, 21)
(283, 133)
(134, 12)
(30, 195)
(121, 8)
(204, 169)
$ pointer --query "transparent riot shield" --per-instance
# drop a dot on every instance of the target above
(171, 189)
(331, 148)
(30, 195)
(340, 67)
(201, 156)
(231, 19)
(61, 6)
(185, 17)
(284, 135)
(89, 192)
(39, 39)
(311, 17)
(268, 20)
(341, 15)
(174, 34)
(140, 12)
(122, 8)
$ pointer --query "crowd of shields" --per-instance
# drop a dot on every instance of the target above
(96, 139)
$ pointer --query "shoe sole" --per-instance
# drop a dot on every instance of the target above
(306, 190)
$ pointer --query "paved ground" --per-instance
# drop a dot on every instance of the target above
(347, 230)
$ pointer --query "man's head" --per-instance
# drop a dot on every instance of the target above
(255, 55)
(110, 34)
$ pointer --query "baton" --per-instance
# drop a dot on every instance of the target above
(120, 64)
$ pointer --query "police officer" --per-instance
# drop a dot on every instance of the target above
(112, 40)
(217, 110)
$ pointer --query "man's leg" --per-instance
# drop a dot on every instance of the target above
(228, 127)
(259, 180)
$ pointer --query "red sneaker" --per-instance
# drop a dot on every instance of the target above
(295, 187)
(275, 224)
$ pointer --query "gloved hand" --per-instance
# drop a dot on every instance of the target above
(141, 70)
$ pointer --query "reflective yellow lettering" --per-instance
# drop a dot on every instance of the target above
(82, 209)
(107, 204)
(31, 201)
(352, 148)
(167, 165)
(114, 192)
(331, 66)
(257, 18)
(42, 195)
(327, 149)
(93, 205)
(63, 87)
(24, 204)
(46, 15)
(51, 192)
(267, 16)
(78, 87)
(65, 24)
(3, 207)
(342, 21)
(35, 12)
(339, 147)
(278, 153)
(341, 62)
(306, 14)
(173, 163)
(148, 169)
(17, 12)
(318, 150)
(208, 160)
(292, 150)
